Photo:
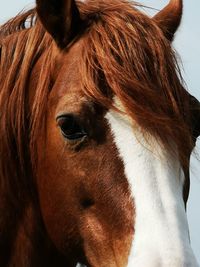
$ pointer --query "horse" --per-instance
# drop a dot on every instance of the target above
(97, 130)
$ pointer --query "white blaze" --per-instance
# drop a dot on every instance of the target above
(161, 237)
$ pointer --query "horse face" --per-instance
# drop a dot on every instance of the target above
(84, 194)
(108, 197)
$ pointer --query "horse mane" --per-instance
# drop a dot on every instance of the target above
(123, 49)
(23, 42)
(129, 52)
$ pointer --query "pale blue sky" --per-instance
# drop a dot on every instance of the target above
(187, 43)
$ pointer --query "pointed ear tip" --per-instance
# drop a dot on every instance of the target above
(169, 18)
(60, 18)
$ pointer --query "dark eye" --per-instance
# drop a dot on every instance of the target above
(70, 127)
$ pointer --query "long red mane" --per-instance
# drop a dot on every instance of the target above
(128, 50)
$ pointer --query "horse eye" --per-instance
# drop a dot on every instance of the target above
(70, 127)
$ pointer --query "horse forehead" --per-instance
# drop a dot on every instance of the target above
(66, 70)
(67, 90)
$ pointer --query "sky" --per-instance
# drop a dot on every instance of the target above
(187, 44)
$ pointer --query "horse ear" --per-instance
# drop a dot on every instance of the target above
(169, 18)
(60, 18)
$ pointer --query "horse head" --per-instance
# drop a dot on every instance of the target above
(110, 134)
(106, 188)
